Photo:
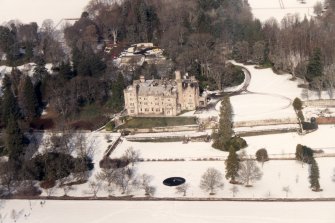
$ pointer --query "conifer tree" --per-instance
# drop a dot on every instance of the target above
(314, 176)
(14, 139)
(29, 102)
(225, 131)
(9, 104)
(315, 66)
(40, 71)
(232, 165)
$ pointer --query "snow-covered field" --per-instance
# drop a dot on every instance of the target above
(265, 9)
(283, 172)
(167, 212)
(268, 96)
(276, 145)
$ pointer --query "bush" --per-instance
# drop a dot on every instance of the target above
(304, 153)
(262, 155)
(236, 142)
(297, 104)
(110, 126)
(108, 163)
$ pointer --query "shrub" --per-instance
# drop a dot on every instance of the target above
(262, 155)
(108, 163)
(236, 142)
(297, 104)
(304, 153)
(110, 126)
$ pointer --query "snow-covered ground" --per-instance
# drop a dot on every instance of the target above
(265, 9)
(277, 145)
(268, 96)
(167, 212)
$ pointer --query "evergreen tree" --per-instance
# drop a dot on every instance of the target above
(65, 70)
(314, 67)
(9, 104)
(232, 165)
(29, 100)
(40, 71)
(314, 176)
(225, 131)
(117, 99)
(14, 140)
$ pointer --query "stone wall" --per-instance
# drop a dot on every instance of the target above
(320, 103)
(165, 129)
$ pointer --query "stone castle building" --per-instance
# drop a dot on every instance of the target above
(163, 97)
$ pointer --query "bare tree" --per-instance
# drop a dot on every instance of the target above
(287, 190)
(211, 180)
(125, 179)
(182, 189)
(234, 190)
(131, 155)
(110, 177)
(145, 184)
(249, 171)
(67, 189)
(93, 188)
(84, 147)
(7, 179)
(329, 73)
(50, 191)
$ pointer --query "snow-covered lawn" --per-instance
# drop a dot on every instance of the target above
(283, 173)
(167, 212)
(265, 9)
(277, 145)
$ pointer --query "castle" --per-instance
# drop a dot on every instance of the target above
(163, 97)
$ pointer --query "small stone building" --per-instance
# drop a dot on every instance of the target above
(163, 97)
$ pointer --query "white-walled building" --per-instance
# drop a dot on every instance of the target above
(163, 97)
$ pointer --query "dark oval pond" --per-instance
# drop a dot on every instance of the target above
(173, 181)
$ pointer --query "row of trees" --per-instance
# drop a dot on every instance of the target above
(22, 42)
(54, 162)
(304, 154)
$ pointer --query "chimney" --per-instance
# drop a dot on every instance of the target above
(142, 79)
(178, 75)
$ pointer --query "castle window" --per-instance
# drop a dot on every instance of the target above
(147, 109)
(152, 109)
(145, 103)
(157, 109)
(132, 111)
